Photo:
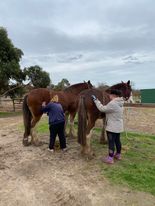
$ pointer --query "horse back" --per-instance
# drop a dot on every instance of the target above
(91, 108)
(63, 98)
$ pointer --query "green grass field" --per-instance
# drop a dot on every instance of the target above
(9, 114)
(136, 169)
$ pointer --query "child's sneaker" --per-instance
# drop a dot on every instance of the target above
(65, 149)
(108, 160)
(51, 150)
(117, 156)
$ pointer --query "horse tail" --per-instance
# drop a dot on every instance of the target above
(82, 121)
(27, 117)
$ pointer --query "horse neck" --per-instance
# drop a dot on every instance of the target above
(117, 86)
(76, 89)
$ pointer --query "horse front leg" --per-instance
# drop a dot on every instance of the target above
(103, 137)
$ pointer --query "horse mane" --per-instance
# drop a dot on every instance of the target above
(118, 86)
(75, 87)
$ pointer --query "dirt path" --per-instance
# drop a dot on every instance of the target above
(31, 176)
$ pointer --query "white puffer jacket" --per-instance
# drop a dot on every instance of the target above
(114, 114)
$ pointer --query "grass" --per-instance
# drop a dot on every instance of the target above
(42, 126)
(137, 168)
(9, 114)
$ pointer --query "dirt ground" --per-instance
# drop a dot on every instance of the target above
(32, 176)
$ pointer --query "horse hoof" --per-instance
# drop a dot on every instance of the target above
(26, 143)
(88, 156)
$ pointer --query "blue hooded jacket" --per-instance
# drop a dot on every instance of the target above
(55, 112)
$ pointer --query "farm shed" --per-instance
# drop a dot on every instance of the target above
(147, 95)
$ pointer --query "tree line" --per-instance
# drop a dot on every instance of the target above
(13, 78)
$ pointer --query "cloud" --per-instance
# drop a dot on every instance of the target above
(98, 67)
(99, 39)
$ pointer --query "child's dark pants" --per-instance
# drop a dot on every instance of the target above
(57, 129)
(114, 140)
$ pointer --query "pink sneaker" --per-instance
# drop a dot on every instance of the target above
(117, 156)
(108, 160)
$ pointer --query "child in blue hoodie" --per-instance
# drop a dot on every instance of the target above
(56, 122)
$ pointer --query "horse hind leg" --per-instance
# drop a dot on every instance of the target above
(27, 117)
(25, 139)
(103, 137)
(86, 150)
(34, 137)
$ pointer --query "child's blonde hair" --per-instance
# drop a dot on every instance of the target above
(55, 98)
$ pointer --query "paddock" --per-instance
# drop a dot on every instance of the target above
(33, 176)
(138, 118)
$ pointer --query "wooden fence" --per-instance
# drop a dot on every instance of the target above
(11, 105)
(139, 105)
(16, 105)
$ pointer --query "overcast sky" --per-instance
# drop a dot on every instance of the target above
(101, 40)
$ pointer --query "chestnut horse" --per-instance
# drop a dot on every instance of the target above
(88, 113)
(33, 102)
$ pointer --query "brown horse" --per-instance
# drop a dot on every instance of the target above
(88, 113)
(33, 102)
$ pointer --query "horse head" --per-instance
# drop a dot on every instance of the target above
(127, 90)
(124, 87)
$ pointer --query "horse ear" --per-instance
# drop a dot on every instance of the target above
(128, 82)
(84, 81)
(88, 81)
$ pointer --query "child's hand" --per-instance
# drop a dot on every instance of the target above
(93, 97)
(43, 104)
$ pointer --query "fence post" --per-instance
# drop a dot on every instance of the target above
(13, 101)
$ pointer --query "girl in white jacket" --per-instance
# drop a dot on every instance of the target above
(114, 123)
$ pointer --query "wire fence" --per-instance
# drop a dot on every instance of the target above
(14, 105)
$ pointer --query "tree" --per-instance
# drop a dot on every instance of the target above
(102, 86)
(37, 76)
(62, 84)
(10, 72)
(16, 93)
